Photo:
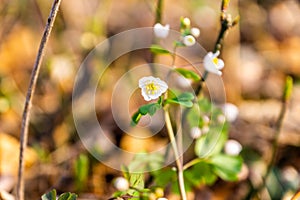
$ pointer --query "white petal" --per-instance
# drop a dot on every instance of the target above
(189, 40)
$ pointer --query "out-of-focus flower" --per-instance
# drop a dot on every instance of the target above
(162, 198)
(152, 88)
(212, 63)
(221, 118)
(161, 31)
(186, 21)
(232, 147)
(195, 32)
(230, 111)
(189, 40)
(121, 184)
(206, 119)
(195, 132)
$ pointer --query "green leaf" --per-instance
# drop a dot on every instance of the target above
(67, 196)
(200, 173)
(50, 195)
(213, 142)
(81, 171)
(157, 49)
(146, 162)
(226, 166)
(188, 74)
(144, 110)
(136, 180)
(149, 108)
(184, 99)
(164, 177)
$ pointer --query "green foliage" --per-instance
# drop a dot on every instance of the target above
(144, 110)
(81, 171)
(146, 162)
(226, 167)
(65, 196)
(288, 88)
(157, 49)
(188, 74)
(184, 99)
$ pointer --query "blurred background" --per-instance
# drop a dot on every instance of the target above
(258, 53)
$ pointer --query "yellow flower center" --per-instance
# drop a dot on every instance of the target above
(215, 60)
(151, 88)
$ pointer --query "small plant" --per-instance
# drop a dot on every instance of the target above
(202, 121)
(65, 196)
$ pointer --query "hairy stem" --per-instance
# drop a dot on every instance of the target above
(176, 153)
(29, 96)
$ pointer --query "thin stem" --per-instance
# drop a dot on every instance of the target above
(29, 96)
(158, 11)
(192, 163)
(177, 156)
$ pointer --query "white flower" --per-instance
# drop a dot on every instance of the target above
(230, 111)
(162, 198)
(161, 31)
(195, 132)
(212, 63)
(186, 21)
(189, 40)
(232, 147)
(152, 88)
(195, 32)
(121, 184)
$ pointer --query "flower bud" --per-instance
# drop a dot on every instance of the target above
(186, 21)
(195, 32)
(121, 184)
(232, 147)
(230, 111)
(195, 132)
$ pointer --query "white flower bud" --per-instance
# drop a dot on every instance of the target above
(230, 111)
(195, 32)
(221, 119)
(195, 132)
(206, 119)
(121, 184)
(161, 31)
(186, 21)
(189, 40)
(232, 147)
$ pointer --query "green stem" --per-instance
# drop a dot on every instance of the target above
(191, 163)
(158, 11)
(176, 153)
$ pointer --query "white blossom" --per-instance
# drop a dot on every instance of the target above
(230, 111)
(152, 88)
(121, 184)
(212, 63)
(195, 32)
(232, 147)
(189, 40)
(162, 198)
(161, 31)
(195, 132)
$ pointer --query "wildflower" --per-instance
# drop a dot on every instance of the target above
(232, 147)
(195, 132)
(161, 31)
(121, 184)
(230, 111)
(186, 21)
(189, 40)
(212, 63)
(195, 32)
(152, 88)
